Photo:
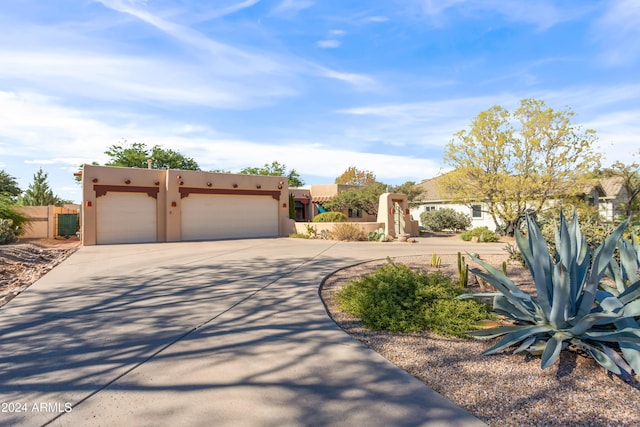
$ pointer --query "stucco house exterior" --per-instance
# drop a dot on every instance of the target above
(131, 205)
(606, 193)
(309, 200)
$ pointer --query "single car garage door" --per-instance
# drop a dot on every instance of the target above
(126, 218)
(217, 216)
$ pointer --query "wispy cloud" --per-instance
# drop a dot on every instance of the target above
(618, 32)
(328, 44)
(543, 14)
(291, 7)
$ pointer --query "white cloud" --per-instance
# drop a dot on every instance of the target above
(543, 14)
(618, 32)
(291, 7)
(328, 44)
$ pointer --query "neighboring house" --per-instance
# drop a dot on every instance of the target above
(433, 198)
(309, 201)
(606, 193)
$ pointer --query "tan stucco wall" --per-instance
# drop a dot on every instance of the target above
(42, 220)
(171, 185)
(387, 215)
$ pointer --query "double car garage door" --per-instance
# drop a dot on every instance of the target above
(132, 217)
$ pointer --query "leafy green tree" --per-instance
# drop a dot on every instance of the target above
(39, 193)
(515, 162)
(276, 169)
(8, 211)
(355, 176)
(136, 155)
(9, 186)
(409, 188)
(365, 198)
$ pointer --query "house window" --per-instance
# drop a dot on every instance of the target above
(355, 213)
(429, 208)
(476, 211)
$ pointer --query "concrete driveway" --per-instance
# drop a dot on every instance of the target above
(226, 333)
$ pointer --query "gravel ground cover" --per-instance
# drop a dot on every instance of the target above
(503, 389)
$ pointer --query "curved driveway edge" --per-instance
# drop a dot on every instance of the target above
(224, 333)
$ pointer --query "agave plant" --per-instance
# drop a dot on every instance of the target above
(569, 309)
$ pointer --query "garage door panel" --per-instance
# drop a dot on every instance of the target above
(126, 218)
(208, 217)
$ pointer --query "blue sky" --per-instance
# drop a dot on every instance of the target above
(316, 84)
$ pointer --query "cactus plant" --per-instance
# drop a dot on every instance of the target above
(463, 271)
(436, 261)
(569, 310)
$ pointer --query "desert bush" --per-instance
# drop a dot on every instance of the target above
(347, 231)
(8, 232)
(482, 233)
(330, 217)
(398, 299)
(8, 211)
(299, 236)
(445, 219)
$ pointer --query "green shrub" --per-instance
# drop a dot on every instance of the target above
(347, 231)
(445, 219)
(330, 217)
(9, 211)
(8, 232)
(299, 236)
(397, 299)
(572, 310)
(377, 235)
(482, 233)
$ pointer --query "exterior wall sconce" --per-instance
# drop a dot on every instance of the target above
(280, 184)
(127, 181)
(258, 186)
(94, 180)
(88, 203)
(181, 183)
(284, 205)
(235, 185)
(209, 184)
(156, 182)
(406, 211)
(174, 204)
(178, 177)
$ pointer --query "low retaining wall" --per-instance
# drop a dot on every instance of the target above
(301, 227)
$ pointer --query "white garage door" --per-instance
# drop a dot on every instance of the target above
(126, 218)
(217, 216)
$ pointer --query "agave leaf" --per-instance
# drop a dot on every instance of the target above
(498, 275)
(600, 318)
(631, 293)
(561, 291)
(525, 345)
(601, 261)
(629, 260)
(614, 271)
(536, 255)
(517, 336)
(504, 285)
(631, 309)
(629, 334)
(552, 349)
(607, 301)
(631, 353)
(496, 332)
(503, 305)
(602, 358)
(478, 295)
